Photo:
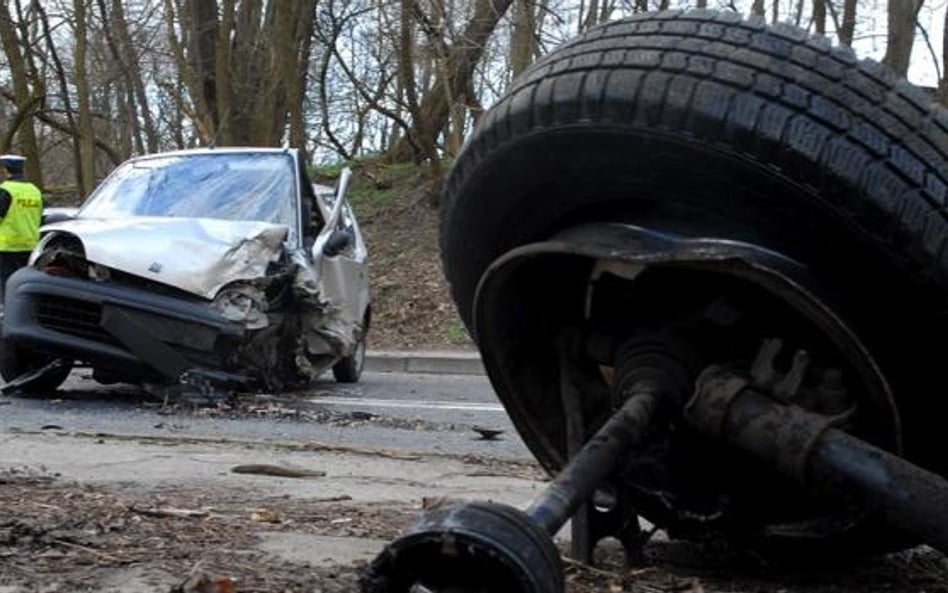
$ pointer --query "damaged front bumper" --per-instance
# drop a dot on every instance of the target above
(138, 335)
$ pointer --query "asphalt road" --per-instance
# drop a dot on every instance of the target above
(396, 411)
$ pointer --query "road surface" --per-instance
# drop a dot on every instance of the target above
(108, 489)
(416, 412)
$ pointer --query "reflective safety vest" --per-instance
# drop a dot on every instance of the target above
(19, 229)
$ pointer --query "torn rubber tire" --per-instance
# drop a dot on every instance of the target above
(702, 124)
(15, 362)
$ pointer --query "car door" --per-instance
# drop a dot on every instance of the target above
(344, 272)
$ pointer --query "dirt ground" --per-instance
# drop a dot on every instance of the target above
(411, 304)
(57, 536)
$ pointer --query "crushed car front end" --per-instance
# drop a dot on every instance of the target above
(125, 333)
(212, 274)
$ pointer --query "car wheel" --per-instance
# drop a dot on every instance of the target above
(702, 124)
(349, 368)
(16, 361)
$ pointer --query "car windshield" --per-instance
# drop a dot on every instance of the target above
(226, 186)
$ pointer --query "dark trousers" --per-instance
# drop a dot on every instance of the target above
(11, 261)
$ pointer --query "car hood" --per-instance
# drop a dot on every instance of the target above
(197, 255)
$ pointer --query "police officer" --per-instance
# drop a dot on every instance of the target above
(21, 210)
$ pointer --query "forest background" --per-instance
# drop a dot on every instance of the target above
(84, 84)
(389, 87)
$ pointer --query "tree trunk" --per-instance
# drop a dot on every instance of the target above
(297, 81)
(406, 78)
(819, 16)
(134, 74)
(903, 15)
(453, 80)
(204, 123)
(129, 132)
(523, 44)
(202, 46)
(848, 27)
(757, 8)
(24, 99)
(86, 132)
(592, 15)
(60, 72)
(943, 83)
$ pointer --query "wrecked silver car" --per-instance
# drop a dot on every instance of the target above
(204, 267)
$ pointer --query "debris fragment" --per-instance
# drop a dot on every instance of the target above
(170, 512)
(265, 469)
(487, 434)
(201, 582)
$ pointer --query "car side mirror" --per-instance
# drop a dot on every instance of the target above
(337, 242)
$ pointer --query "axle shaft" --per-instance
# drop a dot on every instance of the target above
(807, 447)
(597, 460)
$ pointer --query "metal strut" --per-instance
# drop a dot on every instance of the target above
(807, 447)
(492, 547)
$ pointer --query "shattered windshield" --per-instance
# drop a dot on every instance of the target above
(225, 186)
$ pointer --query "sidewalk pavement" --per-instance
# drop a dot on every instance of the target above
(417, 361)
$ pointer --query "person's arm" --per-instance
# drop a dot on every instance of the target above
(5, 199)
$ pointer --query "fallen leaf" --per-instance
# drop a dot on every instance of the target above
(266, 516)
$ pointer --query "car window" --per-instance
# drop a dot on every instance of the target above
(227, 186)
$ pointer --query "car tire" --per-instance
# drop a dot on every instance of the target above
(16, 361)
(349, 368)
(704, 124)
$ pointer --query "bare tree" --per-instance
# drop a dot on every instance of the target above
(453, 77)
(86, 132)
(523, 39)
(902, 17)
(819, 16)
(26, 100)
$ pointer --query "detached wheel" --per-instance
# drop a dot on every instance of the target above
(700, 124)
(16, 362)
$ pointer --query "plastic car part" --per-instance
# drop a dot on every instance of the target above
(32, 374)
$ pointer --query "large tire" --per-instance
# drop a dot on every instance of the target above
(702, 123)
(15, 362)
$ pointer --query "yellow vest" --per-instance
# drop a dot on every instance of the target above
(19, 229)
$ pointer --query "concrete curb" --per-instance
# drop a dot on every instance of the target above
(435, 363)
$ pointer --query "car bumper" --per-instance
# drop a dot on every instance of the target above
(121, 328)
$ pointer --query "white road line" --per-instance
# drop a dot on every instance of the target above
(408, 403)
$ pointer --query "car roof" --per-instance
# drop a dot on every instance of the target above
(218, 150)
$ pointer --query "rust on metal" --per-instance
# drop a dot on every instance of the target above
(808, 447)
